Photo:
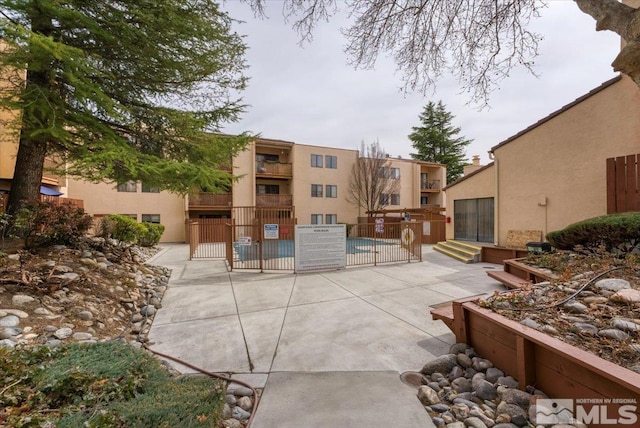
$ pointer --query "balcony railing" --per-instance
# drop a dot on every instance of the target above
(273, 169)
(266, 200)
(206, 199)
(430, 185)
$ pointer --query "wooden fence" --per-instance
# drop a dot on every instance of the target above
(4, 198)
(623, 184)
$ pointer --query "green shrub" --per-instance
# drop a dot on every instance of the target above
(126, 229)
(102, 385)
(152, 234)
(46, 223)
(617, 233)
(122, 228)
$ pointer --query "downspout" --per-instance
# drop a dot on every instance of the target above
(496, 199)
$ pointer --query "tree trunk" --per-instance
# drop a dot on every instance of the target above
(27, 177)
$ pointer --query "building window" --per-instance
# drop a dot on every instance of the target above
(316, 190)
(384, 199)
(331, 219)
(151, 218)
(316, 161)
(394, 199)
(395, 173)
(316, 218)
(268, 189)
(129, 186)
(331, 190)
(331, 161)
(149, 189)
(424, 200)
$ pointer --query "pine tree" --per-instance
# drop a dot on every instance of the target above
(121, 90)
(437, 140)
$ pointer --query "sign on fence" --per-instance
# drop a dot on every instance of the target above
(320, 247)
(244, 240)
(271, 231)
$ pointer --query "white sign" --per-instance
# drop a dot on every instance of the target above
(271, 231)
(320, 247)
(244, 240)
(379, 225)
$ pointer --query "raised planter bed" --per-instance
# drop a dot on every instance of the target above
(534, 358)
(497, 255)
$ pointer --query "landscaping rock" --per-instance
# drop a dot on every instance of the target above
(441, 364)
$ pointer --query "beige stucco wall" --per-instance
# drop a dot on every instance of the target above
(555, 174)
(479, 185)
(244, 190)
(101, 198)
(304, 175)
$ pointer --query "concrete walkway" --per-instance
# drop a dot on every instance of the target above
(327, 347)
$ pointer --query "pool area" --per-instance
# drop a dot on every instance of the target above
(286, 248)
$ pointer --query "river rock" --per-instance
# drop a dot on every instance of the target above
(625, 325)
(516, 413)
(463, 360)
(461, 384)
(474, 422)
(63, 333)
(460, 411)
(613, 284)
(240, 414)
(591, 300)
(584, 328)
(514, 396)
(427, 396)
(21, 299)
(485, 390)
(613, 333)
(493, 374)
(508, 381)
(245, 403)
(628, 295)
(528, 322)
(575, 307)
(9, 321)
(481, 364)
(441, 364)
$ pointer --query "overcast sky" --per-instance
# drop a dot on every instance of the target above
(309, 95)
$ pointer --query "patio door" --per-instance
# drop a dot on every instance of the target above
(473, 219)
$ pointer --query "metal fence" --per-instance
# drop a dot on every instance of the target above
(376, 243)
(264, 239)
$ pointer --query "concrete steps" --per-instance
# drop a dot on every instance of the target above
(465, 252)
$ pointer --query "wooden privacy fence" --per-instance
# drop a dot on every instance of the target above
(623, 184)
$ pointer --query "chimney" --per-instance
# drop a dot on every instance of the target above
(475, 165)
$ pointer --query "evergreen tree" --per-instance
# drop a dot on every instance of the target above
(121, 90)
(437, 140)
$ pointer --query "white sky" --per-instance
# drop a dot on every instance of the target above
(309, 95)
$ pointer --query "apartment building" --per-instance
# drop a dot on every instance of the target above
(272, 173)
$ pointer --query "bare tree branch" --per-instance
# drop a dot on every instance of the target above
(371, 183)
(478, 42)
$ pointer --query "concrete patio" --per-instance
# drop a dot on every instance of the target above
(358, 328)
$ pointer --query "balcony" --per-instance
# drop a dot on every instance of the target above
(273, 170)
(430, 186)
(268, 200)
(209, 200)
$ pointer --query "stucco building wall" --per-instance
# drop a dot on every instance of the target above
(101, 198)
(481, 184)
(555, 174)
(304, 176)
